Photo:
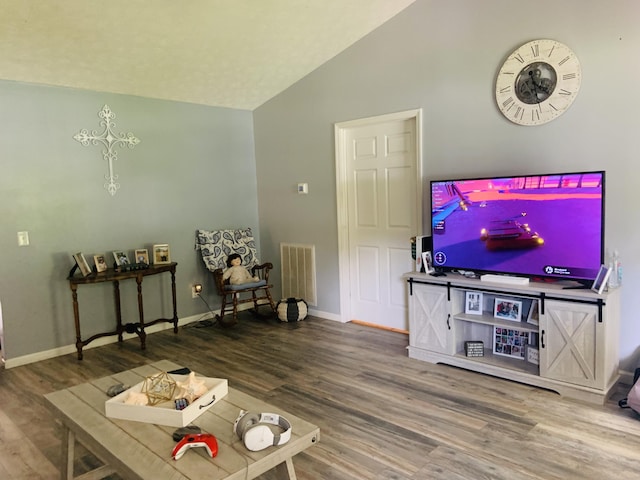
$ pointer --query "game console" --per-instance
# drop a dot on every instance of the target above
(205, 440)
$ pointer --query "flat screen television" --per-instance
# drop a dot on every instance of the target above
(547, 226)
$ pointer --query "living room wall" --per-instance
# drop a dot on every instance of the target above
(443, 57)
(194, 168)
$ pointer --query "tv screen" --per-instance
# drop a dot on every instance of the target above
(533, 225)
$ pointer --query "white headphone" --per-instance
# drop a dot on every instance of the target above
(254, 430)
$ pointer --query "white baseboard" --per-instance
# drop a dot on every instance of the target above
(325, 315)
(99, 342)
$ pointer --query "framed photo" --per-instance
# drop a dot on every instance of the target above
(507, 309)
(161, 254)
(121, 258)
(473, 303)
(532, 355)
(534, 314)
(82, 263)
(601, 279)
(101, 263)
(142, 256)
(510, 342)
(427, 261)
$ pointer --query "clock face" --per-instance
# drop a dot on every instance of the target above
(538, 82)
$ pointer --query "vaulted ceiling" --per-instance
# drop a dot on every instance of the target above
(228, 53)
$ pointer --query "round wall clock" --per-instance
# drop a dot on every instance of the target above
(538, 82)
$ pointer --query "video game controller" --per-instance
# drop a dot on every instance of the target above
(205, 440)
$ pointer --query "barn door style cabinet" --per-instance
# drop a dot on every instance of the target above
(541, 334)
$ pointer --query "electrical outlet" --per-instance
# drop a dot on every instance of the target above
(196, 288)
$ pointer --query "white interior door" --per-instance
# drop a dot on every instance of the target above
(382, 196)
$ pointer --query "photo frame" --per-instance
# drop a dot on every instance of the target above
(427, 262)
(600, 282)
(507, 309)
(161, 254)
(533, 317)
(141, 255)
(510, 342)
(473, 303)
(101, 263)
(532, 354)
(82, 264)
(121, 258)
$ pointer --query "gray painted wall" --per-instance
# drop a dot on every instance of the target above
(444, 57)
(196, 165)
(194, 168)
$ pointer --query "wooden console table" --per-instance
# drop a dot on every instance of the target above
(142, 451)
(115, 277)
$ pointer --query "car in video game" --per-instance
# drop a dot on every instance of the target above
(510, 234)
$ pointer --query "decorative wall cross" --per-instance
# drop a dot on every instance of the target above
(110, 141)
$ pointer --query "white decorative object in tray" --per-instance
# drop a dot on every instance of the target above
(165, 413)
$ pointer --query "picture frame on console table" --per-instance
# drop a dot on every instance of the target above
(82, 264)
(141, 255)
(510, 342)
(101, 263)
(507, 309)
(121, 258)
(161, 254)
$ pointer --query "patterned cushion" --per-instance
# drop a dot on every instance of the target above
(215, 246)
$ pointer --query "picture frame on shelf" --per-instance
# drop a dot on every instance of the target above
(473, 303)
(101, 263)
(510, 342)
(532, 354)
(121, 258)
(141, 255)
(474, 348)
(507, 309)
(427, 262)
(533, 317)
(82, 264)
(161, 254)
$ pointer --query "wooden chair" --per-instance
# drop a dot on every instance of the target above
(215, 246)
(260, 294)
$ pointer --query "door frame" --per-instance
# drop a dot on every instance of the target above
(342, 182)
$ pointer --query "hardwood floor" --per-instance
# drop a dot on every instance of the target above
(382, 415)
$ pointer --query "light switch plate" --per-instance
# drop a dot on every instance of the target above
(23, 239)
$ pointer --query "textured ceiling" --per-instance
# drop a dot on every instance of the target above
(228, 53)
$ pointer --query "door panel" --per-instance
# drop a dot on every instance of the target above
(569, 332)
(431, 326)
(382, 204)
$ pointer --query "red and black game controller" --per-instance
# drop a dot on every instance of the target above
(205, 440)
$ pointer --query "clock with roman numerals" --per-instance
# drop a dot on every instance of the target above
(538, 82)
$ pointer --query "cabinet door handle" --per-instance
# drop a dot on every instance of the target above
(448, 322)
(542, 339)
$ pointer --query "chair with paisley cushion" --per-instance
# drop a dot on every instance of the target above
(215, 247)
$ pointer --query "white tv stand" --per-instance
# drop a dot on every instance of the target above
(577, 332)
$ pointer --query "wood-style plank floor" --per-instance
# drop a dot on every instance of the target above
(382, 415)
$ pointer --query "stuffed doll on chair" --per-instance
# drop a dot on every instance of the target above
(236, 273)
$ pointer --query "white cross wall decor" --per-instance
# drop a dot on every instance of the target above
(110, 141)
